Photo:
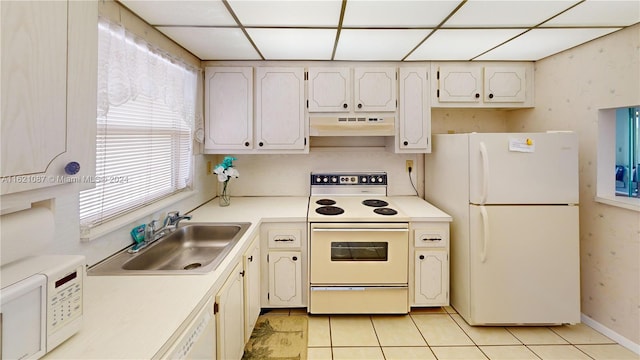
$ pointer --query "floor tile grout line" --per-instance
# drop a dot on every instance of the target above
(420, 332)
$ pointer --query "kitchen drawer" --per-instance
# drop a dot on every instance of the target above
(432, 235)
(284, 238)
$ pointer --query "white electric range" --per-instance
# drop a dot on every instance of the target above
(359, 243)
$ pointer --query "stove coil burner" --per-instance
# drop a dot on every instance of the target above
(375, 203)
(329, 210)
(385, 211)
(325, 202)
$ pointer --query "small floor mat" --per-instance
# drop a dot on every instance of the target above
(278, 337)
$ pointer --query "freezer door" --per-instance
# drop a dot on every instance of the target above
(524, 265)
(523, 168)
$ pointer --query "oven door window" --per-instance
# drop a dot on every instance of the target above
(359, 251)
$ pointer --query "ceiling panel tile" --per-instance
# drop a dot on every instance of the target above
(213, 43)
(485, 13)
(294, 44)
(600, 13)
(461, 44)
(300, 13)
(540, 43)
(368, 13)
(377, 44)
(186, 13)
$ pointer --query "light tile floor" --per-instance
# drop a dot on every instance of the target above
(442, 334)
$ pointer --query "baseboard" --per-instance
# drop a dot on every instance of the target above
(610, 334)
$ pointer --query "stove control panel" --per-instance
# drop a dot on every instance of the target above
(349, 179)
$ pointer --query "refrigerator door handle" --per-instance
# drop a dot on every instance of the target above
(485, 233)
(485, 173)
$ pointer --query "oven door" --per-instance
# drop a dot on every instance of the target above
(359, 253)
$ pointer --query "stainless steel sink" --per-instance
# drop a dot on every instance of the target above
(193, 248)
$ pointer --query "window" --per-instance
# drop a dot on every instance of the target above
(618, 157)
(146, 103)
(627, 151)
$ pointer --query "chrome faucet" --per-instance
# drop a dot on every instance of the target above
(170, 223)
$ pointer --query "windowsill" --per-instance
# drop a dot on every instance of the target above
(134, 216)
(618, 201)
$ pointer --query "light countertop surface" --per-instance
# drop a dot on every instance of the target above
(139, 317)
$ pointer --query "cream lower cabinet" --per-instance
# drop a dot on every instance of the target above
(430, 263)
(251, 265)
(284, 270)
(48, 87)
(230, 316)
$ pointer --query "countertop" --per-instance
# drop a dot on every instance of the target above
(138, 317)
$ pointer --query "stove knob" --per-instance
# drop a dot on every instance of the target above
(353, 179)
(318, 179)
(325, 179)
(379, 179)
(364, 179)
(334, 179)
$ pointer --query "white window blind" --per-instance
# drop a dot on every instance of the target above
(143, 144)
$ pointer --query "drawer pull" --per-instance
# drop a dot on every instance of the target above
(285, 239)
(431, 239)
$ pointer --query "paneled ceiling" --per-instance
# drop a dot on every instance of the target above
(384, 30)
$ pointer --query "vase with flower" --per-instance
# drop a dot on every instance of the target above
(225, 172)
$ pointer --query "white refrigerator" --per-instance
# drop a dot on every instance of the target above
(515, 234)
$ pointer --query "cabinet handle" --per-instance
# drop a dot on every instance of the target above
(246, 143)
(477, 95)
(260, 143)
(72, 168)
(345, 105)
(250, 258)
(359, 106)
(431, 239)
(284, 239)
(406, 143)
(294, 258)
(490, 96)
(242, 273)
(421, 257)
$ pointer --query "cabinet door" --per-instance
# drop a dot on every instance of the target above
(375, 89)
(228, 108)
(230, 317)
(34, 94)
(459, 83)
(414, 110)
(251, 261)
(285, 278)
(330, 89)
(280, 120)
(431, 277)
(505, 84)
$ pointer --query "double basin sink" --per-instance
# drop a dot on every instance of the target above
(193, 248)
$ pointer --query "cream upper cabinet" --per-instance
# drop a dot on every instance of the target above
(330, 89)
(228, 108)
(375, 89)
(280, 120)
(49, 82)
(247, 114)
(494, 85)
(362, 89)
(414, 111)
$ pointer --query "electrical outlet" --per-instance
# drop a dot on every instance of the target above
(409, 165)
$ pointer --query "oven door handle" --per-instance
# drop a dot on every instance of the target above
(358, 229)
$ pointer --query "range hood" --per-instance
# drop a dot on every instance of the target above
(357, 125)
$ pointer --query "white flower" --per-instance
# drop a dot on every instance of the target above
(218, 170)
(232, 172)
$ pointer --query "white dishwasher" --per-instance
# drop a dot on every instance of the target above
(198, 340)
